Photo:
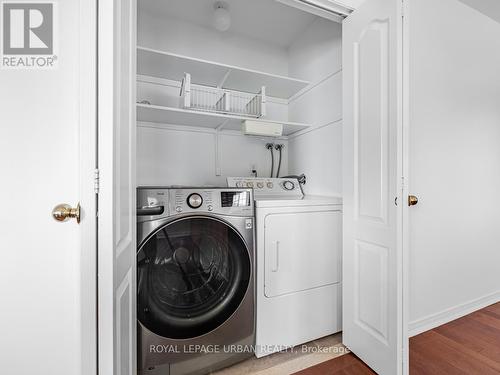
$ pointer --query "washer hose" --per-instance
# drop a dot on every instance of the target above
(270, 146)
(279, 148)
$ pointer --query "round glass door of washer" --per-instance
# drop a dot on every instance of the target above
(192, 275)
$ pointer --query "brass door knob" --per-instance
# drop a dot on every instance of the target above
(63, 212)
(412, 200)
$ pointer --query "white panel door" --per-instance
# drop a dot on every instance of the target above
(117, 225)
(372, 282)
(47, 149)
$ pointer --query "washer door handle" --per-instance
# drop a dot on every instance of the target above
(150, 211)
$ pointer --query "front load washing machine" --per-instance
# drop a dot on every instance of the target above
(195, 279)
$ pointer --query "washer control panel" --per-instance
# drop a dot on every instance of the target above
(263, 186)
(187, 200)
(154, 203)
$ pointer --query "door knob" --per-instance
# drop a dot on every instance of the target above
(412, 200)
(63, 212)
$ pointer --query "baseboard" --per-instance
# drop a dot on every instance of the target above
(446, 316)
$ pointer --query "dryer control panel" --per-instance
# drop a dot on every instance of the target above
(262, 186)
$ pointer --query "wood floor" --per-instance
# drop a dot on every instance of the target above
(466, 346)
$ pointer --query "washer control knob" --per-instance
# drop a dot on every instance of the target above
(178, 209)
(260, 185)
(239, 184)
(210, 207)
(288, 185)
(250, 184)
(194, 200)
(270, 185)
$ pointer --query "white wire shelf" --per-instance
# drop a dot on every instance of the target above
(186, 117)
(214, 99)
(161, 64)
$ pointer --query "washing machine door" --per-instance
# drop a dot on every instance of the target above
(192, 275)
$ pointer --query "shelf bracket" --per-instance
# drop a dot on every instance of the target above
(224, 79)
(222, 126)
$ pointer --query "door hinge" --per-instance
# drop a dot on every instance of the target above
(96, 181)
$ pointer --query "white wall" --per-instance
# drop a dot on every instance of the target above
(455, 161)
(187, 157)
(317, 152)
(177, 36)
(490, 8)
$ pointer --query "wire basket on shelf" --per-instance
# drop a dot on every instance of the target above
(215, 99)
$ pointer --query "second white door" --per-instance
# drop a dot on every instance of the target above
(372, 261)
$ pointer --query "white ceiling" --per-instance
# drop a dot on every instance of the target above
(265, 20)
(490, 8)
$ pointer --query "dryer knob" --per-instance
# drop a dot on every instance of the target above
(288, 185)
(194, 200)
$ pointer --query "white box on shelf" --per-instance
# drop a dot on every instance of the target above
(262, 128)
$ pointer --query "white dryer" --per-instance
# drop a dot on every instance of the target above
(299, 249)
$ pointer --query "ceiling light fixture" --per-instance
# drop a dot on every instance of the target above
(222, 17)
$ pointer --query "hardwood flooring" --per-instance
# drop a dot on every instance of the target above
(466, 346)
